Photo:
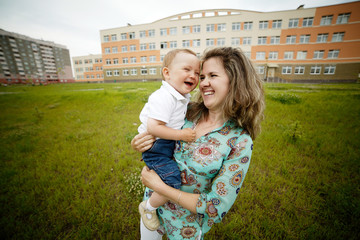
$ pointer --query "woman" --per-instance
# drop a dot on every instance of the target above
(226, 117)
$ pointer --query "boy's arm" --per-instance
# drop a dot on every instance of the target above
(159, 129)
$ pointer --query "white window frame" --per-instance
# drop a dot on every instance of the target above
(125, 60)
(152, 71)
(108, 73)
(235, 41)
(116, 73)
(115, 61)
(163, 45)
(142, 34)
(305, 38)
(221, 27)
(196, 43)
(288, 55)
(322, 37)
(124, 48)
(263, 24)
(262, 40)
(151, 33)
(318, 54)
(236, 26)
(185, 29)
(131, 35)
(113, 37)
(286, 70)
(152, 58)
(308, 22)
(114, 49)
(132, 48)
(107, 50)
(144, 71)
(185, 43)
(291, 39)
(152, 46)
(326, 20)
(123, 36)
(163, 31)
(210, 27)
(143, 59)
(315, 70)
(173, 44)
(338, 37)
(260, 55)
(299, 70)
(106, 38)
(260, 69)
(108, 61)
(220, 42)
(276, 24)
(246, 41)
(173, 31)
(293, 22)
(248, 25)
(210, 42)
(273, 55)
(329, 70)
(333, 53)
(275, 40)
(132, 59)
(142, 46)
(125, 72)
(343, 18)
(196, 29)
(301, 55)
(133, 72)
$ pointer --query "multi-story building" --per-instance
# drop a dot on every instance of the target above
(88, 68)
(27, 60)
(301, 45)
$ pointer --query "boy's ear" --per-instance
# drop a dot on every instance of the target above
(165, 73)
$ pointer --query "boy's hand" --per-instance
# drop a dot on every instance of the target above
(187, 135)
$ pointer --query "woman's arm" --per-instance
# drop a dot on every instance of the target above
(154, 182)
(142, 142)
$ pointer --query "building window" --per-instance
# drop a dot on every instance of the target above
(221, 27)
(163, 31)
(115, 61)
(209, 42)
(124, 48)
(315, 70)
(273, 55)
(326, 20)
(220, 42)
(261, 40)
(144, 71)
(263, 24)
(113, 37)
(288, 55)
(114, 49)
(319, 54)
(186, 29)
(125, 60)
(322, 37)
(329, 70)
(123, 36)
(291, 39)
(162, 57)
(163, 45)
(116, 73)
(196, 43)
(301, 55)
(143, 59)
(185, 43)
(343, 18)
(106, 38)
(286, 70)
(151, 33)
(142, 34)
(132, 35)
(247, 41)
(173, 44)
(132, 48)
(133, 71)
(276, 24)
(338, 37)
(142, 46)
(308, 22)
(107, 50)
(210, 27)
(305, 38)
(235, 41)
(299, 70)
(196, 28)
(248, 25)
(133, 60)
(236, 26)
(125, 72)
(293, 23)
(108, 61)
(173, 31)
(152, 58)
(260, 55)
(275, 40)
(152, 71)
(260, 69)
(333, 53)
(108, 73)
(151, 46)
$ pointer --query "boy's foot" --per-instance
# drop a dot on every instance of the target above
(150, 219)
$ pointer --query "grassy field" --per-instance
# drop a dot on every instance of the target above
(68, 172)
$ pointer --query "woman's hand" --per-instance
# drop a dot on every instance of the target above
(150, 179)
(142, 142)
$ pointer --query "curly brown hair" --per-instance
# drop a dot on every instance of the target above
(245, 102)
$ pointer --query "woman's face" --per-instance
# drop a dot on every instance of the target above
(214, 84)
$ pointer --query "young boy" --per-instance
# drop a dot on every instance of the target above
(163, 116)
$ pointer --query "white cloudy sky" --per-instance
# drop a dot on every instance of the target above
(77, 23)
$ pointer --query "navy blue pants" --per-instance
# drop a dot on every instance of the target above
(160, 158)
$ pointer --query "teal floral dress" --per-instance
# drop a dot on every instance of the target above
(213, 166)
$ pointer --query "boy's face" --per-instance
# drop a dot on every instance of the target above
(183, 72)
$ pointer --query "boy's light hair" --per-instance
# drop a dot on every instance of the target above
(169, 57)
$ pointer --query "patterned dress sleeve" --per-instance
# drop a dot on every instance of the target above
(226, 185)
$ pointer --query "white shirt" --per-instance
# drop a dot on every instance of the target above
(166, 105)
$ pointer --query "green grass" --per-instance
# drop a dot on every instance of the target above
(68, 171)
